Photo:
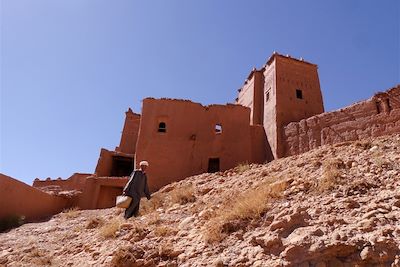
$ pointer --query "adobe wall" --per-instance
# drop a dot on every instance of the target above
(377, 116)
(251, 96)
(291, 75)
(129, 133)
(261, 150)
(190, 139)
(17, 198)
(74, 182)
(270, 102)
(105, 162)
(101, 192)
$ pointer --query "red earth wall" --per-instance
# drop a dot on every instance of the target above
(101, 192)
(377, 116)
(17, 198)
(251, 96)
(129, 133)
(190, 139)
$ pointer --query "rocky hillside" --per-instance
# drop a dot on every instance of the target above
(334, 206)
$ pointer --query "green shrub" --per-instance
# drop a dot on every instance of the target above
(11, 221)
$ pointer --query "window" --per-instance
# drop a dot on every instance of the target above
(267, 96)
(162, 127)
(218, 128)
(299, 94)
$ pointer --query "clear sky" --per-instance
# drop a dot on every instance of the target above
(71, 68)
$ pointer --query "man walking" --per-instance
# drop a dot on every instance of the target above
(136, 188)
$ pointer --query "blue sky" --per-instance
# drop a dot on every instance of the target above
(71, 68)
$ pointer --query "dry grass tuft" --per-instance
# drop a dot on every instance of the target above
(109, 229)
(242, 167)
(167, 252)
(331, 175)
(363, 144)
(94, 222)
(164, 231)
(379, 160)
(154, 218)
(123, 257)
(182, 195)
(40, 258)
(236, 213)
(71, 213)
(156, 202)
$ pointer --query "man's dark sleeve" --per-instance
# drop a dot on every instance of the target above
(146, 189)
(128, 185)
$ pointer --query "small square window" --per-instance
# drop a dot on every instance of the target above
(299, 94)
(218, 128)
(267, 95)
(162, 127)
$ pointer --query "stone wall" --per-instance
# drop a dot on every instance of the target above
(380, 115)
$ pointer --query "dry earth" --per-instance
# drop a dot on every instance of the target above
(334, 206)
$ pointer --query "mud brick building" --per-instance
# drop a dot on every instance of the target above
(279, 112)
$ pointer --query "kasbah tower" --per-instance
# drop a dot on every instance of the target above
(284, 90)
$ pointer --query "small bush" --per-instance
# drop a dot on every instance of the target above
(109, 229)
(378, 158)
(167, 252)
(236, 213)
(154, 218)
(156, 201)
(242, 167)
(183, 195)
(39, 257)
(363, 144)
(123, 257)
(71, 213)
(10, 222)
(94, 223)
(331, 175)
(164, 231)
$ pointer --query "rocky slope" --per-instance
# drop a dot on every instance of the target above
(333, 206)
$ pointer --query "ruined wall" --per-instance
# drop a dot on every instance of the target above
(190, 139)
(17, 198)
(129, 133)
(377, 116)
(75, 182)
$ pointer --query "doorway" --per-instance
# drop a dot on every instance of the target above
(121, 166)
(213, 165)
